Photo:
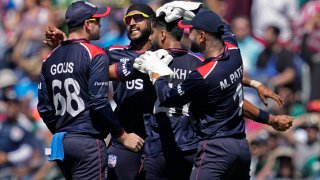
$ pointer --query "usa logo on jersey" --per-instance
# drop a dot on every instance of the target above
(112, 161)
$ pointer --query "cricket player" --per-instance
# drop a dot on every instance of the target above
(73, 98)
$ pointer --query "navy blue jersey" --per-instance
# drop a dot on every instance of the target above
(215, 92)
(172, 127)
(132, 95)
(73, 91)
(182, 123)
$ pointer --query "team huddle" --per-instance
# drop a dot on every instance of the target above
(178, 115)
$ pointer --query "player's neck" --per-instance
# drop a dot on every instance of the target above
(213, 49)
(141, 46)
(78, 35)
(171, 44)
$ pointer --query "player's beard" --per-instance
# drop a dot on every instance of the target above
(155, 45)
(194, 47)
(145, 33)
(95, 37)
(94, 34)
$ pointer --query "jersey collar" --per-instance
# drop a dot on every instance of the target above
(223, 56)
(177, 52)
(82, 40)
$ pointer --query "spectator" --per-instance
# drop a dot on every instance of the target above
(310, 51)
(7, 80)
(279, 165)
(312, 168)
(276, 67)
(279, 13)
(9, 83)
(309, 148)
(19, 150)
(250, 48)
(236, 8)
(259, 150)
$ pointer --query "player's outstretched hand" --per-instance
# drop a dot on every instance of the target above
(151, 64)
(53, 36)
(264, 93)
(132, 141)
(178, 9)
(280, 122)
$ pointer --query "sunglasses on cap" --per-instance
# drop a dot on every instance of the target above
(94, 20)
(138, 17)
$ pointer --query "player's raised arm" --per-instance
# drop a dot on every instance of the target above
(54, 36)
(263, 91)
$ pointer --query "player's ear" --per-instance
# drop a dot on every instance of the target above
(163, 35)
(87, 24)
(202, 36)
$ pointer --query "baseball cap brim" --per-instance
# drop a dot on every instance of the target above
(102, 12)
(184, 24)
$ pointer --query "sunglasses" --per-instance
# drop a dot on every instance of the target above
(95, 20)
(137, 17)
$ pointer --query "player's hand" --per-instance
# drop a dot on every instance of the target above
(280, 122)
(132, 141)
(264, 93)
(150, 63)
(164, 56)
(178, 9)
(53, 36)
(3, 158)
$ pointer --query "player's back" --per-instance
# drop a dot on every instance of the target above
(181, 119)
(220, 110)
(67, 72)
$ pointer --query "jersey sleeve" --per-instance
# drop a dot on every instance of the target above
(98, 90)
(181, 94)
(228, 36)
(98, 81)
(126, 72)
(45, 107)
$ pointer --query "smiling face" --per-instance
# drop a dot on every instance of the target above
(138, 26)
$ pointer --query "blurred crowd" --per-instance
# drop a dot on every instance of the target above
(280, 47)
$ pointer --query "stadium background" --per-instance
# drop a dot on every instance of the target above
(294, 154)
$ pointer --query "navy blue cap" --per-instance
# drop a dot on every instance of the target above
(144, 8)
(205, 20)
(80, 11)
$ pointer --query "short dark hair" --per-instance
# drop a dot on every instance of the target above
(75, 28)
(217, 35)
(171, 27)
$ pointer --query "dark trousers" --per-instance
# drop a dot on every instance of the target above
(84, 158)
(123, 164)
(168, 166)
(222, 158)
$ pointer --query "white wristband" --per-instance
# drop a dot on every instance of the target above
(255, 84)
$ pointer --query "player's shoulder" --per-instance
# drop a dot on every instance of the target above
(92, 50)
(231, 45)
(207, 68)
(44, 60)
(117, 47)
(195, 56)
